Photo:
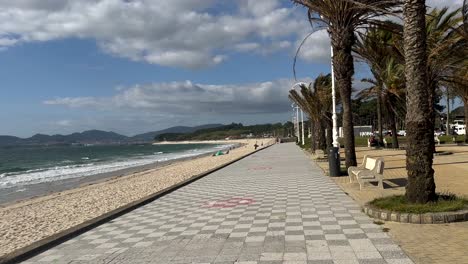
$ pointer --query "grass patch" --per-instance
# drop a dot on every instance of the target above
(307, 145)
(398, 203)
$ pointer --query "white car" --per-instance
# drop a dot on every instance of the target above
(439, 133)
(401, 133)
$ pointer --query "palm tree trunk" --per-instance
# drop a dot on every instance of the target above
(419, 121)
(329, 122)
(393, 128)
(323, 139)
(342, 41)
(465, 108)
(379, 113)
(448, 113)
(313, 136)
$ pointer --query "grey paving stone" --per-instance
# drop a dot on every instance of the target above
(298, 215)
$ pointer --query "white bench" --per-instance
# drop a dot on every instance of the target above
(371, 170)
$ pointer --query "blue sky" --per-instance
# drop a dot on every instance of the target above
(137, 66)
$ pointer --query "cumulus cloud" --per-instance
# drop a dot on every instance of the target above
(453, 4)
(166, 32)
(316, 48)
(176, 33)
(188, 98)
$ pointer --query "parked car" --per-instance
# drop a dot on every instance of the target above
(401, 133)
(439, 133)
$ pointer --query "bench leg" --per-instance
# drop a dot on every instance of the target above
(350, 174)
(380, 184)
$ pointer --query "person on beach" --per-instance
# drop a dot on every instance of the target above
(256, 146)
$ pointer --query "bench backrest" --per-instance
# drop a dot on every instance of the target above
(375, 164)
(370, 163)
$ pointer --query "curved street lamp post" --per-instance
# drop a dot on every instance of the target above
(302, 116)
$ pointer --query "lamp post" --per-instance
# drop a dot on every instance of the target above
(333, 152)
(302, 122)
(334, 121)
(302, 115)
(297, 123)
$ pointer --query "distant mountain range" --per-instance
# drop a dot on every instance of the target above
(97, 137)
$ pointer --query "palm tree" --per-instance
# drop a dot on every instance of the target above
(323, 87)
(390, 89)
(460, 87)
(393, 95)
(419, 121)
(446, 50)
(379, 48)
(343, 17)
(316, 101)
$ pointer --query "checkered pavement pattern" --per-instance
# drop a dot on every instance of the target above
(274, 206)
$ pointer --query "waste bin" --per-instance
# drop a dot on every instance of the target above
(334, 161)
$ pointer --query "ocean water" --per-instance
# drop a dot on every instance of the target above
(21, 166)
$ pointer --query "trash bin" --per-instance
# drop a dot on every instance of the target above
(334, 161)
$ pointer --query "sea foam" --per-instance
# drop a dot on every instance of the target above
(63, 172)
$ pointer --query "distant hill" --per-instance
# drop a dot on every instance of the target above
(86, 137)
(232, 131)
(176, 130)
(96, 137)
(9, 140)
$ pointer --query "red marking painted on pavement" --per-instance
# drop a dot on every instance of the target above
(233, 202)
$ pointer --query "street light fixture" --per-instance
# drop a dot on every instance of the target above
(334, 152)
(302, 115)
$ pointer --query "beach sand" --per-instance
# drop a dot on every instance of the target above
(29, 221)
(14, 194)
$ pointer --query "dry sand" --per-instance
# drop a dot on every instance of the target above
(24, 223)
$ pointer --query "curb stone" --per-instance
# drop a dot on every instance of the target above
(426, 218)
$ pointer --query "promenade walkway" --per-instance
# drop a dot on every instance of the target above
(275, 206)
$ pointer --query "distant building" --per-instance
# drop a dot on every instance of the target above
(359, 131)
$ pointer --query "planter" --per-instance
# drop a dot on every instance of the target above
(425, 218)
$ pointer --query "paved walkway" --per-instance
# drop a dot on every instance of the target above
(272, 207)
(427, 244)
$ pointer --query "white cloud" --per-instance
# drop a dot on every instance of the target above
(187, 99)
(64, 123)
(74, 102)
(166, 32)
(316, 48)
(453, 4)
(176, 33)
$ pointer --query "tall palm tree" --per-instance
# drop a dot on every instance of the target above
(446, 50)
(419, 121)
(393, 95)
(378, 46)
(307, 100)
(343, 17)
(315, 99)
(391, 90)
(460, 87)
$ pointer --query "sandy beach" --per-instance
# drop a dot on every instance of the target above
(28, 221)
